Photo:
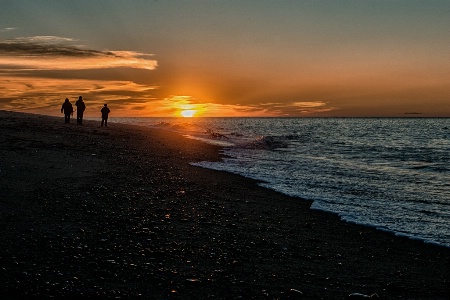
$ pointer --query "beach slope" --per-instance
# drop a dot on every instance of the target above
(118, 212)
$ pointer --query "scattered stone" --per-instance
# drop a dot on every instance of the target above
(362, 296)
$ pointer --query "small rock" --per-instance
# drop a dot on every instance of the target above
(362, 296)
(194, 280)
(295, 294)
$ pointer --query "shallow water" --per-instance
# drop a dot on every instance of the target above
(389, 173)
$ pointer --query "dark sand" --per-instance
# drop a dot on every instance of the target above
(118, 212)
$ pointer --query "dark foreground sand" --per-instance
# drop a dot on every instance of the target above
(118, 212)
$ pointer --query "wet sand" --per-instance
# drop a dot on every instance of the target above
(118, 212)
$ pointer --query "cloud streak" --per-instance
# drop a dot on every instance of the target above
(43, 94)
(174, 105)
(36, 73)
(57, 53)
(7, 29)
(27, 63)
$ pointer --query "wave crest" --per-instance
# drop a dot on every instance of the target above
(269, 142)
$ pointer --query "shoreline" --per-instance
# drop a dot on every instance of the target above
(138, 221)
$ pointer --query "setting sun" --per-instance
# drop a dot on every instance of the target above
(188, 113)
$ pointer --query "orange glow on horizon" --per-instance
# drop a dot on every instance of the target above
(189, 113)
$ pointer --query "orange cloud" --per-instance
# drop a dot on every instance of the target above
(37, 73)
(55, 53)
(29, 66)
(174, 106)
(46, 95)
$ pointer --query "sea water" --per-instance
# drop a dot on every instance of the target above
(389, 173)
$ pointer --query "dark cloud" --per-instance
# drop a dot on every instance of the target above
(55, 53)
(47, 47)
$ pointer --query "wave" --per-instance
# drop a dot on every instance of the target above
(266, 142)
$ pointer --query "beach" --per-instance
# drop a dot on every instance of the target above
(118, 212)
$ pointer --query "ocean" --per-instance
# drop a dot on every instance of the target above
(392, 174)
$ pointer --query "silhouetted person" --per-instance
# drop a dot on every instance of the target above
(67, 108)
(105, 111)
(80, 109)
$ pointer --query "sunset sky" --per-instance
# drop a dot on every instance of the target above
(227, 57)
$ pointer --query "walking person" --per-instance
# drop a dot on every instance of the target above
(81, 106)
(105, 111)
(67, 108)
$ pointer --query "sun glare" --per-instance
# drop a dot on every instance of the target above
(188, 113)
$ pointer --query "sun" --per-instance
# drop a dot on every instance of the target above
(188, 113)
